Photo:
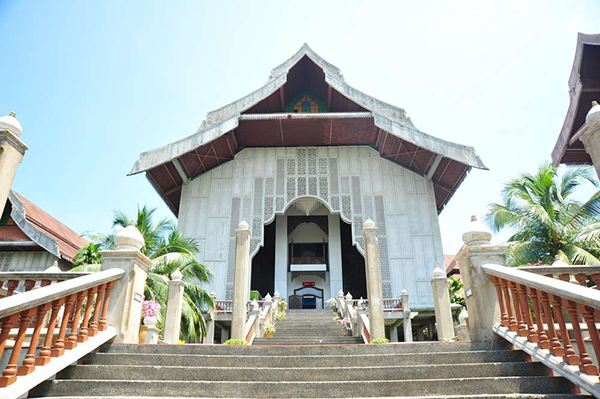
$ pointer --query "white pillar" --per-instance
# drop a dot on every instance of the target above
(281, 256)
(174, 307)
(591, 135)
(240, 282)
(125, 306)
(462, 330)
(441, 304)
(481, 297)
(335, 254)
(377, 328)
(224, 334)
(407, 322)
(393, 334)
(153, 331)
(12, 150)
(210, 323)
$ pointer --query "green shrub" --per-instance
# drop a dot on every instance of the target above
(235, 342)
(270, 328)
(280, 316)
(379, 341)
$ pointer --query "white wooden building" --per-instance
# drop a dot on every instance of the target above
(305, 160)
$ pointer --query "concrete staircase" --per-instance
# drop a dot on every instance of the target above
(432, 370)
(308, 327)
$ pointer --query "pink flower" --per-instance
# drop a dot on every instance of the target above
(150, 308)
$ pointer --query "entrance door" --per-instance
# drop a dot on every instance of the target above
(312, 297)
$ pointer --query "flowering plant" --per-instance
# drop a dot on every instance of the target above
(150, 308)
(344, 322)
(332, 303)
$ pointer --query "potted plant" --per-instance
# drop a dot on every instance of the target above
(332, 304)
(282, 306)
(345, 322)
(150, 309)
(269, 330)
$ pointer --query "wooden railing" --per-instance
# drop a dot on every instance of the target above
(224, 306)
(532, 306)
(586, 276)
(81, 303)
(17, 282)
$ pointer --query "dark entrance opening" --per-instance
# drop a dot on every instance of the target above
(353, 264)
(312, 297)
(263, 264)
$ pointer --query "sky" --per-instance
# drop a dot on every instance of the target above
(96, 83)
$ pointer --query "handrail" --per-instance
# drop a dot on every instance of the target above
(582, 295)
(530, 308)
(13, 304)
(554, 270)
(41, 275)
(62, 301)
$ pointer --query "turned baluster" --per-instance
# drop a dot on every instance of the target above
(570, 356)
(9, 375)
(555, 347)
(586, 365)
(512, 323)
(581, 279)
(532, 335)
(59, 346)
(83, 330)
(45, 352)
(543, 341)
(103, 321)
(588, 315)
(6, 325)
(11, 286)
(93, 330)
(29, 362)
(503, 315)
(72, 339)
(522, 327)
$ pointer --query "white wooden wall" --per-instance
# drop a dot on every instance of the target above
(352, 181)
(32, 261)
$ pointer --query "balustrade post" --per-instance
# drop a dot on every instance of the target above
(543, 340)
(532, 335)
(153, 331)
(240, 280)
(9, 375)
(407, 320)
(481, 294)
(441, 304)
(519, 312)
(72, 339)
(29, 362)
(93, 330)
(59, 346)
(125, 300)
(7, 324)
(588, 316)
(84, 330)
(555, 347)
(374, 289)
(503, 315)
(45, 352)
(512, 321)
(174, 308)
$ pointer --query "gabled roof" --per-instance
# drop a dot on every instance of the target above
(41, 228)
(353, 118)
(584, 86)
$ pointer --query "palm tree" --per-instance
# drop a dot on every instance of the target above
(549, 223)
(169, 251)
(88, 255)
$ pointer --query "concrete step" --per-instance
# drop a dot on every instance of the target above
(391, 348)
(364, 360)
(492, 396)
(169, 373)
(284, 389)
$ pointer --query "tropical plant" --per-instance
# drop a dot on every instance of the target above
(457, 295)
(548, 223)
(270, 328)
(88, 255)
(235, 341)
(169, 251)
(379, 341)
(280, 316)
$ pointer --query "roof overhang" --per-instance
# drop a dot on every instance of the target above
(584, 86)
(382, 126)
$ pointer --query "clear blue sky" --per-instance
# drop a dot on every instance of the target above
(96, 83)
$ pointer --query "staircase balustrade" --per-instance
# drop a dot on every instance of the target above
(68, 324)
(535, 310)
(18, 282)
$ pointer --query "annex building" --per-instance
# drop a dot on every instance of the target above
(305, 160)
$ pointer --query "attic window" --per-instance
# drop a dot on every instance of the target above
(306, 102)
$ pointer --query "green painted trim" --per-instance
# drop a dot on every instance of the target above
(290, 106)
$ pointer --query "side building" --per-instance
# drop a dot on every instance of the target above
(31, 240)
(305, 160)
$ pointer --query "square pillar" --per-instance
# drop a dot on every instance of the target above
(281, 256)
(335, 254)
(241, 292)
